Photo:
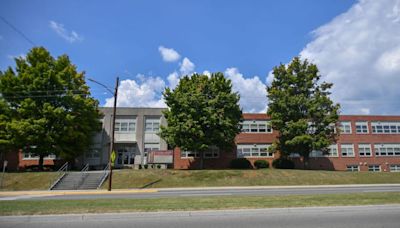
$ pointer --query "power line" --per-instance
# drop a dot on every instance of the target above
(17, 30)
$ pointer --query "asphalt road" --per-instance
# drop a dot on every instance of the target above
(245, 191)
(386, 216)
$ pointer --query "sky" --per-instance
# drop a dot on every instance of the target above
(151, 44)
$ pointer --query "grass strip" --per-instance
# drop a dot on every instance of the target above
(35, 207)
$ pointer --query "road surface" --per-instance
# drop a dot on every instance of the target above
(386, 216)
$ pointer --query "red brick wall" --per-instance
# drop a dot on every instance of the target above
(325, 163)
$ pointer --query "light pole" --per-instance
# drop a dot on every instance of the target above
(113, 126)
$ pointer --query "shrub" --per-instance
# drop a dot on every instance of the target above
(140, 167)
(241, 163)
(261, 164)
(146, 166)
(158, 166)
(283, 163)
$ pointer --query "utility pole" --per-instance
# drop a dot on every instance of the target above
(113, 126)
(112, 134)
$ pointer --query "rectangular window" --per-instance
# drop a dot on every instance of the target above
(364, 150)
(374, 168)
(352, 168)
(253, 150)
(189, 154)
(32, 156)
(152, 125)
(345, 127)
(212, 152)
(387, 149)
(256, 126)
(395, 168)
(331, 152)
(362, 127)
(379, 127)
(347, 150)
(125, 125)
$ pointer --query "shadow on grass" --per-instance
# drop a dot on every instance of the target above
(150, 184)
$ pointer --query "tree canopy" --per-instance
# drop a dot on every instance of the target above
(50, 110)
(202, 112)
(301, 110)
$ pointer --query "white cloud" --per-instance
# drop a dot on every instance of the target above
(208, 73)
(187, 67)
(253, 94)
(169, 54)
(145, 93)
(71, 37)
(359, 51)
(173, 79)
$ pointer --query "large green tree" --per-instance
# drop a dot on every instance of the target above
(51, 110)
(202, 112)
(301, 110)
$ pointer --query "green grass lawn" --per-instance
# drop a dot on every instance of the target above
(128, 178)
(201, 178)
(32, 207)
(28, 180)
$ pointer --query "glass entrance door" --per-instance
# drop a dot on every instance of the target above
(126, 155)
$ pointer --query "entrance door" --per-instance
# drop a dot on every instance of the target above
(126, 155)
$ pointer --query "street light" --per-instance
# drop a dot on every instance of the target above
(113, 125)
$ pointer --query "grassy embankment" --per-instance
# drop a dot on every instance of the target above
(32, 207)
(123, 179)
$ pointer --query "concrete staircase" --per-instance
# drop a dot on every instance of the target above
(80, 180)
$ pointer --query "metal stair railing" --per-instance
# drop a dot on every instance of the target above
(60, 174)
(106, 172)
(84, 173)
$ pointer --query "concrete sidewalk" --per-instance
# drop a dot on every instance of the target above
(155, 190)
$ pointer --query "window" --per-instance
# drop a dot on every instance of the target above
(387, 149)
(253, 150)
(353, 168)
(364, 150)
(150, 147)
(362, 127)
(395, 168)
(152, 125)
(345, 127)
(255, 126)
(212, 152)
(385, 127)
(347, 150)
(189, 154)
(332, 152)
(125, 125)
(32, 156)
(374, 168)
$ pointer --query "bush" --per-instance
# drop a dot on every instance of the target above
(261, 164)
(241, 163)
(146, 166)
(283, 163)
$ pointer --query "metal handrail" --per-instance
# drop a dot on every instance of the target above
(60, 174)
(106, 172)
(84, 173)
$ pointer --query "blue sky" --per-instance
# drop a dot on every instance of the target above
(243, 39)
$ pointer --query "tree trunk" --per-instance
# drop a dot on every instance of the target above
(201, 160)
(41, 158)
(305, 162)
